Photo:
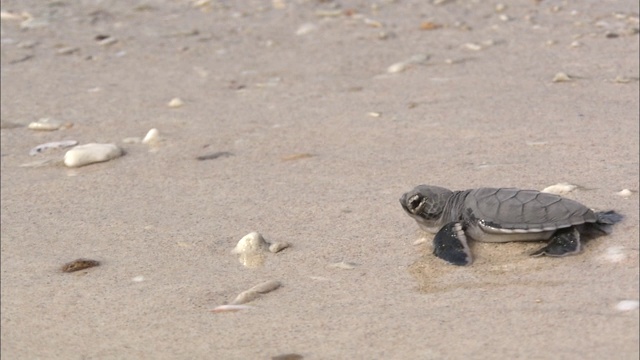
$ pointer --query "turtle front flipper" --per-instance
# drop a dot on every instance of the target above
(564, 242)
(450, 244)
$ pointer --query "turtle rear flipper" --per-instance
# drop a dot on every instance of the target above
(450, 244)
(564, 242)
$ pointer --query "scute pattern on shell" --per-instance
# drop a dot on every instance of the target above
(510, 208)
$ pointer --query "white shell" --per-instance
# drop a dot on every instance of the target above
(250, 244)
(627, 305)
(175, 103)
(91, 153)
(152, 137)
(45, 124)
(561, 77)
(624, 193)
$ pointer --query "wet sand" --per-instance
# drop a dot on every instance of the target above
(320, 141)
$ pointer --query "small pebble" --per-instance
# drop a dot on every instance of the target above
(374, 114)
(152, 137)
(45, 124)
(52, 145)
(175, 103)
(79, 264)
(624, 193)
(561, 77)
(91, 153)
(560, 188)
(627, 305)
(278, 246)
(343, 265)
(428, 25)
(138, 279)
(213, 156)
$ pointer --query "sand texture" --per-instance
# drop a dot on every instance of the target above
(306, 121)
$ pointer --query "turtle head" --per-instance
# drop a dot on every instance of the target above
(426, 204)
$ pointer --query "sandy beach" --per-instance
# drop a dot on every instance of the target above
(306, 121)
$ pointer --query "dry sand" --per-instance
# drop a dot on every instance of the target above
(481, 111)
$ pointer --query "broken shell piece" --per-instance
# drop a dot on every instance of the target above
(561, 77)
(344, 265)
(175, 103)
(267, 286)
(404, 65)
(152, 137)
(91, 153)
(473, 46)
(256, 291)
(52, 145)
(624, 193)
(132, 140)
(230, 308)
(560, 188)
(421, 240)
(297, 156)
(278, 246)
(45, 124)
(306, 28)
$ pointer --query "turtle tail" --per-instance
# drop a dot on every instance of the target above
(604, 220)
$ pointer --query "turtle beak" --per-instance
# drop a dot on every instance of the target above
(403, 202)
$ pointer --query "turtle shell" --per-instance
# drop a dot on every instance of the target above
(523, 210)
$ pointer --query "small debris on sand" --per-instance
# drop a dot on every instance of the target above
(79, 264)
(256, 291)
(560, 189)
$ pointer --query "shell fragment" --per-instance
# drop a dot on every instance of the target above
(91, 153)
(52, 145)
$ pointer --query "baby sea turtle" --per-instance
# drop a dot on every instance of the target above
(502, 215)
